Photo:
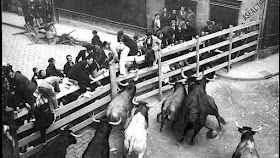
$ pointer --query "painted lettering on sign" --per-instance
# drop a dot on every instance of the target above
(253, 10)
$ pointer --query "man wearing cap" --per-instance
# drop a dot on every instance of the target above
(84, 53)
(95, 39)
(51, 69)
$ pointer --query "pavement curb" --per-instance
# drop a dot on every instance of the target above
(248, 79)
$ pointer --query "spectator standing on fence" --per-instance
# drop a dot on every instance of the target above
(165, 17)
(35, 75)
(84, 53)
(51, 69)
(95, 39)
(69, 64)
(181, 15)
(156, 23)
(190, 16)
(128, 42)
(122, 51)
(24, 88)
(48, 87)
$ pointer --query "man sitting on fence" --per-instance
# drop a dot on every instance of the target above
(121, 52)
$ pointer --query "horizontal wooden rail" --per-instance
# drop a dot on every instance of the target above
(242, 26)
(247, 35)
(74, 129)
(66, 120)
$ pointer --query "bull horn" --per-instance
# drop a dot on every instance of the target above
(200, 77)
(238, 126)
(183, 75)
(150, 106)
(257, 130)
(137, 76)
(124, 85)
(209, 79)
(171, 83)
(134, 101)
(94, 120)
(116, 123)
(76, 136)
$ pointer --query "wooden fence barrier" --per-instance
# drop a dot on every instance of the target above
(153, 85)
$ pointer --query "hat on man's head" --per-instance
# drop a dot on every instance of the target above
(120, 33)
(94, 32)
(51, 60)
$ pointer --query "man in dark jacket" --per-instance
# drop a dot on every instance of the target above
(84, 53)
(128, 42)
(99, 55)
(95, 39)
(51, 69)
(165, 17)
(68, 65)
(23, 88)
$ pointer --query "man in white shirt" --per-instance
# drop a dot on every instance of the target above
(120, 52)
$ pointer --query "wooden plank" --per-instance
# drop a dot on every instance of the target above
(74, 129)
(179, 58)
(142, 72)
(213, 35)
(213, 58)
(243, 56)
(160, 76)
(66, 120)
(230, 47)
(244, 46)
(23, 112)
(249, 24)
(178, 47)
(88, 121)
(215, 46)
(175, 72)
(143, 88)
(258, 48)
(67, 107)
(153, 92)
(113, 80)
(241, 37)
(197, 55)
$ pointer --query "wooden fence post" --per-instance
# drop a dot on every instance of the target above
(113, 79)
(197, 54)
(230, 47)
(14, 135)
(159, 76)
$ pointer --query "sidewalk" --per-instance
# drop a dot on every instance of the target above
(252, 70)
(243, 70)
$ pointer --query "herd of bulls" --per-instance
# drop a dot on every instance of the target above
(188, 108)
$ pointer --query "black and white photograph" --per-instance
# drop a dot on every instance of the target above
(140, 78)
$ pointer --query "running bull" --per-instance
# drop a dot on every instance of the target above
(98, 147)
(57, 147)
(137, 130)
(197, 106)
(246, 148)
(172, 105)
(121, 105)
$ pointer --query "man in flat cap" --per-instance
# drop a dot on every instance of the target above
(51, 69)
(95, 39)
